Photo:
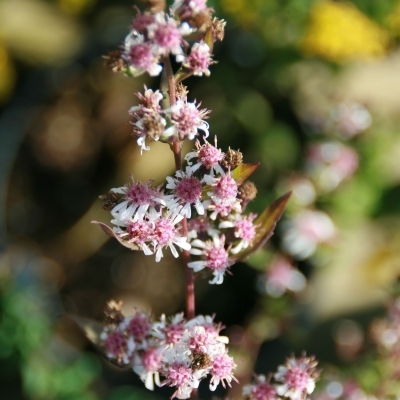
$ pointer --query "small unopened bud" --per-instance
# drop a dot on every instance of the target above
(201, 20)
(114, 61)
(218, 29)
(113, 313)
(110, 200)
(181, 91)
(247, 192)
(232, 159)
(156, 6)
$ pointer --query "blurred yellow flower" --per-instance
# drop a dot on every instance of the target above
(393, 20)
(340, 32)
(75, 7)
(7, 75)
(246, 11)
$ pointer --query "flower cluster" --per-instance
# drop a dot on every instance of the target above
(295, 381)
(172, 351)
(178, 122)
(156, 34)
(146, 217)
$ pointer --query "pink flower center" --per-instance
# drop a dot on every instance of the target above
(115, 344)
(222, 366)
(139, 326)
(188, 189)
(167, 36)
(226, 188)
(164, 231)
(199, 341)
(245, 229)
(139, 193)
(174, 333)
(152, 359)
(178, 374)
(209, 156)
(141, 56)
(138, 232)
(187, 119)
(263, 391)
(199, 60)
(217, 258)
(141, 22)
(296, 378)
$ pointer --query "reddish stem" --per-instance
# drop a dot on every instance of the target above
(176, 149)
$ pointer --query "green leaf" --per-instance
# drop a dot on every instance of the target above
(243, 171)
(265, 223)
(110, 232)
(208, 39)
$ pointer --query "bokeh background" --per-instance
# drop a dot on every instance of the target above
(309, 88)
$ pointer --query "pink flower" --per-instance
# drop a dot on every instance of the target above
(140, 56)
(187, 191)
(167, 35)
(165, 234)
(207, 156)
(199, 59)
(244, 229)
(214, 257)
(138, 198)
(222, 371)
(261, 390)
(187, 119)
(297, 377)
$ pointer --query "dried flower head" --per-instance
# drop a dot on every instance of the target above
(218, 29)
(115, 62)
(232, 159)
(113, 313)
(247, 192)
(110, 200)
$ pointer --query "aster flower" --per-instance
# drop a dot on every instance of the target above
(140, 56)
(244, 230)
(169, 332)
(262, 389)
(207, 156)
(297, 377)
(137, 232)
(178, 372)
(225, 189)
(167, 35)
(138, 198)
(222, 371)
(199, 59)
(138, 327)
(187, 190)
(147, 366)
(165, 234)
(117, 345)
(214, 257)
(187, 119)
(148, 121)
